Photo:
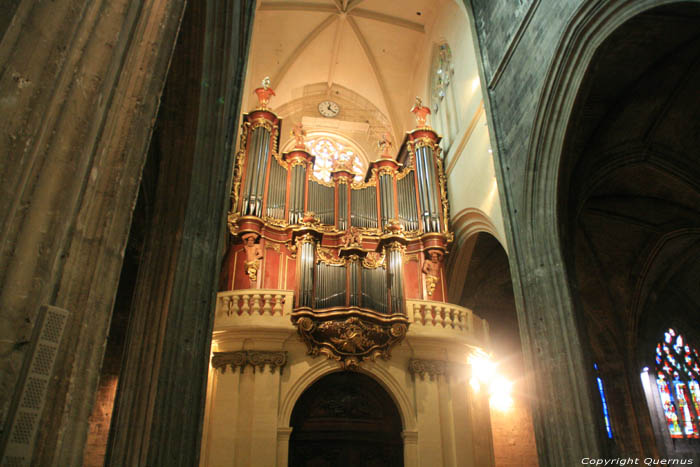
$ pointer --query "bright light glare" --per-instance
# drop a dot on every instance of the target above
(474, 382)
(482, 368)
(502, 402)
(475, 84)
(484, 372)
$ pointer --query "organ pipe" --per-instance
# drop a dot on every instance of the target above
(386, 186)
(306, 257)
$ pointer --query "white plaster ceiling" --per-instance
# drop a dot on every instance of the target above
(368, 46)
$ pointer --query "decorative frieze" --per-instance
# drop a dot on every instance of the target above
(255, 358)
(433, 368)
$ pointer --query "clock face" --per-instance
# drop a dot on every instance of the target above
(328, 108)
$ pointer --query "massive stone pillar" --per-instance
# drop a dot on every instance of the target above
(160, 403)
(80, 84)
(79, 88)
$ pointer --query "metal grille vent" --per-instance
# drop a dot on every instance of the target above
(17, 447)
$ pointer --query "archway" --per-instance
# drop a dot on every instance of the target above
(627, 187)
(488, 291)
(345, 418)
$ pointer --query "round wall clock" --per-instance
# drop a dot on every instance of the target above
(328, 108)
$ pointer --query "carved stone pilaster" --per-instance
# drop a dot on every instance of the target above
(255, 358)
(433, 368)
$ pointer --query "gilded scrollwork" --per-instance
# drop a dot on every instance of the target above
(327, 256)
(403, 173)
(350, 337)
(397, 246)
(352, 237)
(374, 260)
(443, 191)
(281, 223)
(232, 222)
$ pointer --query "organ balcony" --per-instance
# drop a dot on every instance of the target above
(354, 266)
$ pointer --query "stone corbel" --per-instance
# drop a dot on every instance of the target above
(255, 358)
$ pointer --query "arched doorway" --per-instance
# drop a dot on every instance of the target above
(345, 419)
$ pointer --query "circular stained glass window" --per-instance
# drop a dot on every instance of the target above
(331, 153)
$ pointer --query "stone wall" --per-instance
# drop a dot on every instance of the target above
(513, 436)
(534, 58)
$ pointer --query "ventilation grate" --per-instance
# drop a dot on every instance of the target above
(24, 416)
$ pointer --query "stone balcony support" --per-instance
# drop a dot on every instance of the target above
(445, 422)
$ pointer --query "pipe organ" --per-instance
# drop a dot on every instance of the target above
(353, 252)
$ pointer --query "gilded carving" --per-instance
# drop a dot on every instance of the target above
(385, 145)
(396, 246)
(401, 174)
(298, 133)
(443, 192)
(326, 255)
(431, 269)
(281, 223)
(421, 112)
(232, 222)
(309, 218)
(350, 336)
(394, 226)
(373, 260)
(264, 94)
(351, 237)
(253, 254)
(258, 359)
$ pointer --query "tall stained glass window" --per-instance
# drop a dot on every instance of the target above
(677, 376)
(442, 97)
(603, 400)
(441, 75)
(330, 152)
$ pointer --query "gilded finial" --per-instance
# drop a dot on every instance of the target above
(264, 94)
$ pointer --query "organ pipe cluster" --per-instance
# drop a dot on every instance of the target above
(400, 206)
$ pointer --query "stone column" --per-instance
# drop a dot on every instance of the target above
(283, 435)
(410, 448)
(430, 442)
(78, 97)
(162, 392)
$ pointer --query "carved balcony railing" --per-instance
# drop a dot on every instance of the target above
(253, 307)
(439, 319)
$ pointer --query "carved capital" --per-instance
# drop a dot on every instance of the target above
(255, 358)
(433, 368)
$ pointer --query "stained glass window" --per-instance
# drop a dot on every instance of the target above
(441, 75)
(677, 375)
(606, 415)
(329, 152)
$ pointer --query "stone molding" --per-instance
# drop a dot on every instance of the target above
(255, 358)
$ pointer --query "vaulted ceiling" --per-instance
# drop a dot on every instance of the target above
(367, 46)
